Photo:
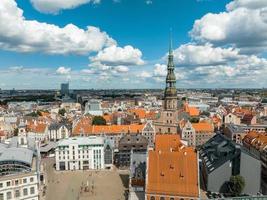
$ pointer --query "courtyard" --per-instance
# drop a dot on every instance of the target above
(81, 185)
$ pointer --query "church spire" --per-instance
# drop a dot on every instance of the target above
(170, 90)
(170, 43)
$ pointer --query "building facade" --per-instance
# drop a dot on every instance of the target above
(19, 186)
(197, 134)
(127, 144)
(19, 168)
(58, 131)
(222, 158)
(80, 153)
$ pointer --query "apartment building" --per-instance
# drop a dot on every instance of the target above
(80, 153)
(197, 134)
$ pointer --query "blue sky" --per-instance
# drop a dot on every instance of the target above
(217, 43)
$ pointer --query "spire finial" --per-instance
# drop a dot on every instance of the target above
(170, 45)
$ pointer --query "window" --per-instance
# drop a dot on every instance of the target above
(169, 130)
(24, 180)
(8, 195)
(32, 190)
(1, 185)
(17, 193)
(171, 198)
(162, 198)
(8, 183)
(152, 198)
(1, 196)
(31, 179)
(16, 182)
(25, 192)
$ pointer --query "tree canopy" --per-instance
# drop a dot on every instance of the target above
(62, 111)
(99, 120)
(237, 185)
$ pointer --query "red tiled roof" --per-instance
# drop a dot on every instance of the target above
(172, 171)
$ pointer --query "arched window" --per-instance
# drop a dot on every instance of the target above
(152, 198)
(162, 198)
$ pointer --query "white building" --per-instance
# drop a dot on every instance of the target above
(23, 186)
(232, 119)
(80, 153)
(58, 131)
(19, 168)
(93, 107)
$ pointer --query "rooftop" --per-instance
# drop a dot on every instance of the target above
(172, 168)
(92, 140)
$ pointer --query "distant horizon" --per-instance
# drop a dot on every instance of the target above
(58, 89)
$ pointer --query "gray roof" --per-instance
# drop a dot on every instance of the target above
(57, 125)
(47, 147)
(17, 154)
(14, 142)
(92, 140)
(219, 150)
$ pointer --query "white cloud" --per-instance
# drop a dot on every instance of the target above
(114, 55)
(63, 70)
(243, 25)
(22, 35)
(160, 70)
(193, 54)
(149, 2)
(250, 4)
(54, 6)
(121, 69)
(144, 75)
(88, 71)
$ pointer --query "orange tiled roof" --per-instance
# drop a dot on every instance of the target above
(203, 127)
(107, 117)
(112, 129)
(256, 140)
(142, 113)
(83, 126)
(173, 172)
(193, 111)
(166, 141)
(36, 127)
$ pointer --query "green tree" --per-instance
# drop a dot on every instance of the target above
(206, 113)
(62, 111)
(39, 113)
(236, 185)
(194, 120)
(32, 114)
(99, 120)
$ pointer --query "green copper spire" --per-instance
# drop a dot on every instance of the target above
(170, 90)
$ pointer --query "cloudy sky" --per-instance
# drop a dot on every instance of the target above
(123, 43)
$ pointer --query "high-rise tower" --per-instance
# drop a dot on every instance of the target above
(168, 120)
(170, 95)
